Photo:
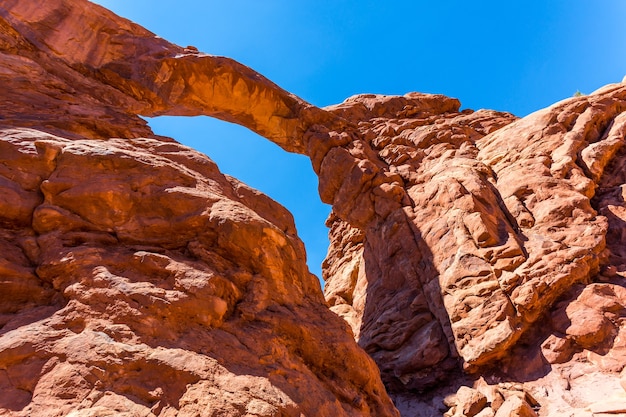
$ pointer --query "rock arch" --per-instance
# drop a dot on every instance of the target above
(453, 231)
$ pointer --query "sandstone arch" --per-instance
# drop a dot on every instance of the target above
(454, 231)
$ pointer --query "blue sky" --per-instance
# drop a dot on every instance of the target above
(512, 56)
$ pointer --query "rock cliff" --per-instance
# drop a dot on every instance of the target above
(478, 258)
(495, 243)
(136, 278)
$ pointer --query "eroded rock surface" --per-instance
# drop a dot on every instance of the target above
(459, 240)
(489, 224)
(418, 161)
(136, 278)
(465, 232)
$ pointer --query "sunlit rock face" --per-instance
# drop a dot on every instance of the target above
(472, 253)
(136, 278)
(461, 229)
(395, 271)
(472, 238)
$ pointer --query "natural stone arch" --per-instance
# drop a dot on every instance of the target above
(382, 162)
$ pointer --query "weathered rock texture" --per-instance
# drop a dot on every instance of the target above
(493, 223)
(471, 237)
(411, 212)
(136, 278)
(459, 240)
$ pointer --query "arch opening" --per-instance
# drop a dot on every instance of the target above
(287, 178)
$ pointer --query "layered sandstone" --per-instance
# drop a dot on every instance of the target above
(459, 240)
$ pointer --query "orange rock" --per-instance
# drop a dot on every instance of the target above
(138, 279)
(156, 283)
(469, 402)
(459, 239)
(497, 222)
(515, 407)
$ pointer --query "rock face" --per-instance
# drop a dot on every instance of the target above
(455, 233)
(414, 208)
(460, 240)
(136, 278)
(478, 230)
(472, 238)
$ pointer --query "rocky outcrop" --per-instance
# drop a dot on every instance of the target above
(459, 240)
(136, 278)
(488, 230)
(488, 225)
(421, 148)
(493, 223)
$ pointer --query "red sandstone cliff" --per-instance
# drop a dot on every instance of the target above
(498, 243)
(459, 240)
(136, 278)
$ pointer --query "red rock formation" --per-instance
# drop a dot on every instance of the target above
(482, 227)
(421, 209)
(136, 278)
(458, 239)
(126, 67)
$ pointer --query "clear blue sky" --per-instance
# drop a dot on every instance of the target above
(516, 56)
